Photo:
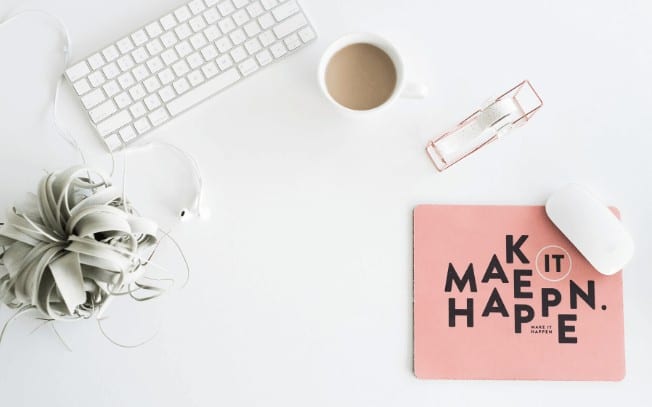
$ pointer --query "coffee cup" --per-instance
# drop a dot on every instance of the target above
(363, 72)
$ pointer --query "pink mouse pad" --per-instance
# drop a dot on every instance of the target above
(500, 293)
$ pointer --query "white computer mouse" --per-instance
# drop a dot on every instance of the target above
(591, 227)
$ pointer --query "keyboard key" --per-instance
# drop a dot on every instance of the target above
(142, 125)
(152, 84)
(152, 101)
(210, 3)
(113, 123)
(113, 142)
(224, 62)
(197, 23)
(140, 55)
(252, 29)
(212, 32)
(255, 9)
(122, 100)
(181, 68)
(82, 86)
(226, 25)
(125, 45)
(95, 61)
(203, 91)
(240, 17)
(196, 6)
(138, 109)
(184, 48)
(195, 78)
(93, 98)
(285, 10)
(181, 85)
(209, 52)
(154, 29)
(224, 44)
(155, 64)
(266, 21)
(154, 47)
(96, 79)
(126, 80)
(166, 76)
(158, 116)
(226, 8)
(169, 39)
(293, 42)
(111, 70)
(103, 111)
(169, 57)
(110, 53)
(182, 14)
(195, 60)
(240, 3)
(290, 25)
(253, 46)
(210, 70)
(264, 57)
(211, 15)
(78, 71)
(127, 133)
(306, 34)
(278, 49)
(269, 4)
(167, 94)
(238, 54)
(140, 72)
(139, 37)
(183, 31)
(266, 38)
(248, 67)
(168, 22)
(137, 92)
(126, 63)
(198, 41)
(111, 88)
(238, 36)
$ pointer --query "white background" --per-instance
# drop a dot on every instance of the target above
(300, 292)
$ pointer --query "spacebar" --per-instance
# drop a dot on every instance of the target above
(203, 91)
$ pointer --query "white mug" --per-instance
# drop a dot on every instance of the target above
(402, 88)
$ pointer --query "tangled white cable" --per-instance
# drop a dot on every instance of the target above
(73, 248)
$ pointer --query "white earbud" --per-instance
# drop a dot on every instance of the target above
(196, 209)
(187, 214)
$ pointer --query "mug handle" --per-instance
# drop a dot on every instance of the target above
(413, 90)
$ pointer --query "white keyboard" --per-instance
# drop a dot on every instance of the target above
(147, 78)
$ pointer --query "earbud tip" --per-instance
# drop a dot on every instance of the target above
(184, 214)
(202, 213)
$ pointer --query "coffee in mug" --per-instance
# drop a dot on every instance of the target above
(362, 73)
(361, 76)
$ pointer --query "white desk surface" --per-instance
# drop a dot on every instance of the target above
(301, 291)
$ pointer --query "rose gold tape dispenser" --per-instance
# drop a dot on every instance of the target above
(512, 109)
